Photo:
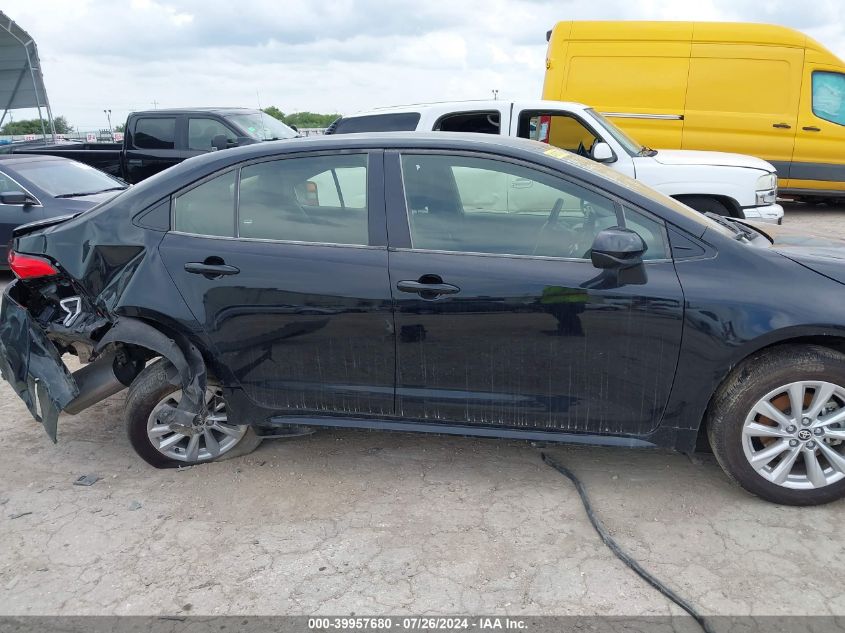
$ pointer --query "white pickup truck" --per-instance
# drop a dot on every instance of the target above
(728, 184)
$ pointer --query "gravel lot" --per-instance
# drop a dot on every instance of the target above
(378, 523)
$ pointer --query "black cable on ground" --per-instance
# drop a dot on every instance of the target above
(618, 551)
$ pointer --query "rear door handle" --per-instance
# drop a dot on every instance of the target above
(811, 128)
(784, 126)
(422, 289)
(211, 270)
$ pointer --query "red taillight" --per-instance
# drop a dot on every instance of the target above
(29, 266)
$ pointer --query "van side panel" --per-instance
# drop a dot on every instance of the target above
(744, 98)
(638, 77)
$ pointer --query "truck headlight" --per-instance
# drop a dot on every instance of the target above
(767, 189)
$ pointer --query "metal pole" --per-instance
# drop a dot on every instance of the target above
(38, 98)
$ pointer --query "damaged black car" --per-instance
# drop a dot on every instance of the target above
(446, 283)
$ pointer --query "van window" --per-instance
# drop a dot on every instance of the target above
(387, 122)
(157, 133)
(752, 86)
(477, 122)
(829, 96)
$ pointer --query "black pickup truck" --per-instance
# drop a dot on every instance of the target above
(157, 139)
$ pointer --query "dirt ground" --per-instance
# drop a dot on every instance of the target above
(379, 523)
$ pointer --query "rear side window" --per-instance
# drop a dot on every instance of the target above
(157, 133)
(319, 199)
(207, 209)
(395, 122)
(475, 122)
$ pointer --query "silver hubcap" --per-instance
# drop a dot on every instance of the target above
(212, 437)
(794, 435)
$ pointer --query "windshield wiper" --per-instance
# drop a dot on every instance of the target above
(741, 232)
(80, 194)
(647, 151)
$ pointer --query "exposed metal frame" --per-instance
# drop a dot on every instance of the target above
(32, 66)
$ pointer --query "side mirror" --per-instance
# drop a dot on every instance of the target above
(617, 248)
(602, 153)
(16, 197)
(219, 142)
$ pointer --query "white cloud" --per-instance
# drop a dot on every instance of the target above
(333, 55)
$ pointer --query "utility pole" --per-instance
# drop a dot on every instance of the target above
(495, 94)
(155, 104)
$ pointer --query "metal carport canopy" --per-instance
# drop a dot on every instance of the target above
(21, 81)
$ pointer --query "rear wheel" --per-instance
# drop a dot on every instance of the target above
(211, 439)
(777, 425)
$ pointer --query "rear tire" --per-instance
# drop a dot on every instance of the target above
(742, 438)
(704, 204)
(148, 391)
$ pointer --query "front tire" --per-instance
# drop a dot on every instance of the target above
(777, 425)
(159, 446)
(705, 204)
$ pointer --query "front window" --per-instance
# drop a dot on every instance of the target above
(479, 205)
(829, 96)
(561, 130)
(629, 144)
(261, 127)
(67, 178)
(201, 133)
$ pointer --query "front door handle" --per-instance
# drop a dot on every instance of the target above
(424, 289)
(211, 270)
(784, 126)
(811, 128)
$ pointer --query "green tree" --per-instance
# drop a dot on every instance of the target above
(120, 127)
(33, 126)
(302, 119)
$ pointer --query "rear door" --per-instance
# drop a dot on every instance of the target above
(154, 143)
(284, 263)
(501, 318)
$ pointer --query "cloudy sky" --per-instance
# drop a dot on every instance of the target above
(330, 55)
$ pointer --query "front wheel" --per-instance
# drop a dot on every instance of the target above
(777, 425)
(212, 439)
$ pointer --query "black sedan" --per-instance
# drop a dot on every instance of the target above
(443, 283)
(34, 188)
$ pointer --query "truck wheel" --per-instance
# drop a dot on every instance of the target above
(217, 438)
(704, 204)
(777, 425)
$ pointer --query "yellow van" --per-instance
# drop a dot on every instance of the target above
(756, 89)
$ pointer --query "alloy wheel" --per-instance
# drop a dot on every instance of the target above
(211, 437)
(794, 435)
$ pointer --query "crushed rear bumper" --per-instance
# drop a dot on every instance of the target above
(31, 364)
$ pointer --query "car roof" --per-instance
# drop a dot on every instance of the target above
(13, 159)
(468, 105)
(204, 110)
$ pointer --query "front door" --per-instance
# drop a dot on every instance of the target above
(501, 318)
(818, 163)
(290, 282)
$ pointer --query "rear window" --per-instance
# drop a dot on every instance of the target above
(397, 122)
(158, 133)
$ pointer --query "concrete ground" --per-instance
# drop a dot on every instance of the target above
(379, 523)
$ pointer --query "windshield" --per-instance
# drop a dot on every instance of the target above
(262, 127)
(67, 177)
(630, 145)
